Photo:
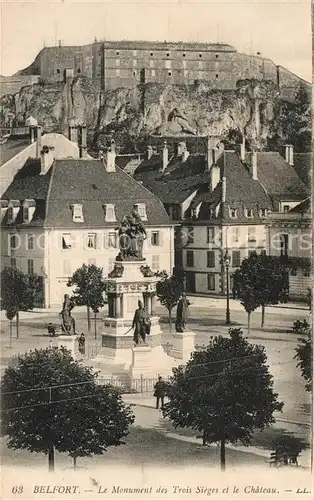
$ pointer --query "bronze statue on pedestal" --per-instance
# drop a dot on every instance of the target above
(131, 237)
(68, 323)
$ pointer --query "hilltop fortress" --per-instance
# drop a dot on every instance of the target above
(111, 65)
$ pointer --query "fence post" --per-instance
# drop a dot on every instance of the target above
(141, 383)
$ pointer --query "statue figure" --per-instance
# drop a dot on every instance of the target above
(131, 237)
(182, 311)
(117, 271)
(147, 272)
(141, 324)
(68, 323)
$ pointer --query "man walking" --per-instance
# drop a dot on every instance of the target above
(160, 391)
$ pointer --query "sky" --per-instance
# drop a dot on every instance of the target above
(280, 29)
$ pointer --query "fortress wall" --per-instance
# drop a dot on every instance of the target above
(13, 84)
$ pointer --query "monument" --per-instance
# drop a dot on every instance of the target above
(183, 339)
(68, 338)
(131, 340)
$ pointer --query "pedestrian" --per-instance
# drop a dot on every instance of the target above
(51, 330)
(81, 343)
(159, 392)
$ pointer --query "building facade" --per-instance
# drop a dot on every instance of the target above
(58, 214)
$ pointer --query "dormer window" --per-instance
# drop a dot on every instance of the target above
(77, 213)
(13, 210)
(140, 208)
(249, 213)
(110, 215)
(263, 212)
(28, 210)
(25, 213)
(233, 213)
(10, 215)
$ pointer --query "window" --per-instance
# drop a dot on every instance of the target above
(284, 241)
(77, 213)
(236, 258)
(217, 56)
(210, 258)
(169, 73)
(13, 241)
(110, 215)
(155, 262)
(25, 213)
(117, 72)
(10, 215)
(30, 266)
(141, 210)
(168, 54)
(190, 258)
(91, 240)
(250, 252)
(66, 241)
(286, 208)
(176, 212)
(66, 268)
(183, 54)
(58, 71)
(78, 70)
(117, 62)
(30, 242)
(210, 234)
(134, 73)
(200, 55)
(13, 262)
(293, 272)
(216, 76)
(233, 213)
(151, 54)
(190, 235)
(235, 234)
(249, 212)
(112, 240)
(210, 281)
(262, 212)
(155, 238)
(306, 274)
(252, 234)
(134, 53)
(153, 72)
(118, 53)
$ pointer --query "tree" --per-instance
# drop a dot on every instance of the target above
(89, 289)
(51, 402)
(225, 391)
(18, 293)
(304, 351)
(260, 281)
(169, 291)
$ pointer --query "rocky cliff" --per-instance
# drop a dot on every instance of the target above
(266, 117)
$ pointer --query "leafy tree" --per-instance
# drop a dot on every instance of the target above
(89, 289)
(304, 351)
(169, 291)
(225, 391)
(18, 293)
(51, 402)
(260, 281)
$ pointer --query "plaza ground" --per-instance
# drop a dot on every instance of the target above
(151, 431)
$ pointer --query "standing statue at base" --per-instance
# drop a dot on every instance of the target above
(141, 324)
(182, 314)
(68, 323)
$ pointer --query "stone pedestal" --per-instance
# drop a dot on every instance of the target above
(70, 342)
(141, 362)
(182, 345)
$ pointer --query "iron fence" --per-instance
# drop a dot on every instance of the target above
(139, 385)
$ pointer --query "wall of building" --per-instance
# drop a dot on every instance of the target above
(299, 239)
(13, 84)
(61, 263)
(22, 254)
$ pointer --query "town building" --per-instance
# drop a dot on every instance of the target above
(115, 64)
(58, 214)
(289, 237)
(220, 202)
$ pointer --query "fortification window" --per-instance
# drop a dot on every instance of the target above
(134, 73)
(118, 53)
(153, 72)
(168, 54)
(58, 71)
(78, 70)
(217, 76)
(183, 54)
(217, 56)
(151, 54)
(200, 55)
(169, 73)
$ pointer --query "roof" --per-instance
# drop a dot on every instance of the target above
(242, 192)
(179, 179)
(303, 163)
(302, 208)
(279, 178)
(11, 148)
(87, 182)
(28, 183)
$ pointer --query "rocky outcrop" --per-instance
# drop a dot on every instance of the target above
(130, 115)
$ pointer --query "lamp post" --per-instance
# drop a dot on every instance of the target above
(227, 262)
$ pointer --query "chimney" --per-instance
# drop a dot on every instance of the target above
(149, 152)
(110, 164)
(38, 141)
(214, 176)
(82, 141)
(46, 159)
(164, 156)
(254, 166)
(31, 134)
(185, 155)
(289, 154)
(224, 189)
(212, 144)
(242, 154)
(72, 131)
(181, 148)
